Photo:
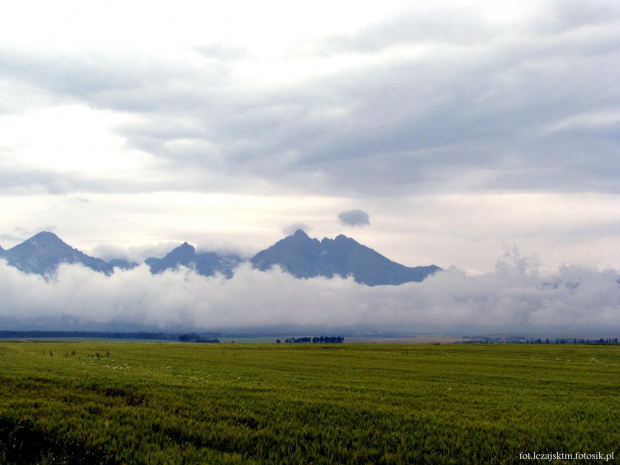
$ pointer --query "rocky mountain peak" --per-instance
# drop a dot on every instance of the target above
(301, 234)
(185, 250)
(304, 257)
(206, 263)
(299, 255)
(45, 251)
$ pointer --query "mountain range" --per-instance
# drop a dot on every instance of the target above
(205, 263)
(298, 254)
(304, 257)
(44, 252)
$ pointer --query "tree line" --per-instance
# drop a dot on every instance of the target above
(574, 341)
(161, 336)
(195, 337)
(315, 340)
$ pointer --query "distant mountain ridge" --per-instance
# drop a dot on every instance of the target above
(205, 263)
(45, 251)
(297, 254)
(304, 257)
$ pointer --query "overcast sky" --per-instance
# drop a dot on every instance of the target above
(430, 132)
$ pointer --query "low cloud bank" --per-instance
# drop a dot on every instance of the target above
(514, 297)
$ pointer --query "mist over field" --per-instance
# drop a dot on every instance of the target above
(516, 296)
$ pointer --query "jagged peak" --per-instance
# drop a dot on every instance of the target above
(43, 234)
(46, 236)
(43, 239)
(339, 239)
(300, 233)
(184, 248)
(342, 256)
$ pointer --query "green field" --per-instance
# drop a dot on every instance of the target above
(114, 402)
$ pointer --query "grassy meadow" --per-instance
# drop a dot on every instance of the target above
(150, 403)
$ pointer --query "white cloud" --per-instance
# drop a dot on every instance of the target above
(70, 138)
(515, 297)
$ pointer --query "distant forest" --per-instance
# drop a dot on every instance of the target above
(183, 337)
(213, 337)
(523, 340)
(159, 336)
(315, 340)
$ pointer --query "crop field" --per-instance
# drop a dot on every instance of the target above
(152, 403)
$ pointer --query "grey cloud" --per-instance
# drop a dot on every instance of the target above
(462, 26)
(354, 218)
(481, 110)
(133, 81)
(464, 120)
(21, 180)
(76, 76)
(580, 14)
(18, 179)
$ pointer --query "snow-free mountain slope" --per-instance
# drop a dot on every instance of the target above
(304, 257)
(204, 263)
(44, 252)
(298, 255)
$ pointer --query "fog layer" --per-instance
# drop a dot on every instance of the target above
(516, 296)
